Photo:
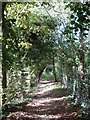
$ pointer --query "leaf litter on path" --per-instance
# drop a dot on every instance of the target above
(48, 104)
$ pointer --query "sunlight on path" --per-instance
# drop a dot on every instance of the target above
(45, 86)
(47, 105)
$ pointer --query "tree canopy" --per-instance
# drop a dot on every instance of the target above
(45, 38)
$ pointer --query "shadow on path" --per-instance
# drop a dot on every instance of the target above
(47, 105)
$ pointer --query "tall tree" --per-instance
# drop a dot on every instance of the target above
(4, 71)
(79, 26)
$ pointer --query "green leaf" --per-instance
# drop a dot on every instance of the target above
(72, 22)
(72, 16)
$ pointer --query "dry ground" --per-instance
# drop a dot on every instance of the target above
(48, 104)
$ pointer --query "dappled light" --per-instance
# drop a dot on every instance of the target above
(45, 60)
(48, 104)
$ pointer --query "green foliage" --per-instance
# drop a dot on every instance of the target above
(26, 44)
(32, 32)
(46, 75)
(77, 30)
(79, 19)
(32, 39)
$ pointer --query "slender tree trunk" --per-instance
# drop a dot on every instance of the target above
(61, 75)
(4, 76)
(79, 96)
(39, 73)
(89, 63)
(54, 71)
(81, 66)
(65, 80)
(0, 65)
(4, 84)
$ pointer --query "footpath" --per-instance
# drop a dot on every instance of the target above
(48, 104)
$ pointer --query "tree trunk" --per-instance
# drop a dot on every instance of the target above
(81, 66)
(39, 73)
(79, 93)
(65, 80)
(4, 77)
(0, 65)
(4, 84)
(54, 71)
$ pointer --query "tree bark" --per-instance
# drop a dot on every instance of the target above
(4, 72)
(39, 73)
(79, 96)
(54, 71)
(81, 58)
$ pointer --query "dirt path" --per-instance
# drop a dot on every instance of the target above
(49, 104)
